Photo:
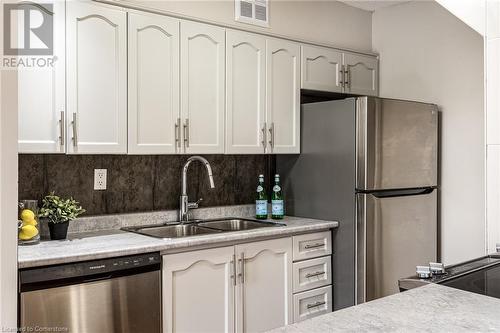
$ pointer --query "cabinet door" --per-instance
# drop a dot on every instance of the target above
(41, 94)
(283, 97)
(245, 93)
(361, 76)
(264, 290)
(96, 41)
(153, 84)
(198, 291)
(202, 88)
(321, 69)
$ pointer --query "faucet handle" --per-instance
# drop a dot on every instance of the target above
(194, 205)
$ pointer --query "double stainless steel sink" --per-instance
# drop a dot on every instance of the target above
(201, 227)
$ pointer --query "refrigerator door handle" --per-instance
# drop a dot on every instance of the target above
(402, 193)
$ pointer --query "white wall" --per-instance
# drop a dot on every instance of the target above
(8, 195)
(493, 122)
(471, 12)
(329, 22)
(427, 54)
(8, 200)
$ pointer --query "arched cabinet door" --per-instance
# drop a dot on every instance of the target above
(361, 74)
(245, 93)
(96, 76)
(283, 97)
(321, 69)
(265, 273)
(153, 84)
(41, 90)
(202, 88)
(198, 291)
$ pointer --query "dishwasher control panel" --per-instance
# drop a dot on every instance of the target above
(89, 268)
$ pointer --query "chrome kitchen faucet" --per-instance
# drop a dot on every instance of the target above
(185, 205)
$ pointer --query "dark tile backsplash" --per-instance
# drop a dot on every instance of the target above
(141, 183)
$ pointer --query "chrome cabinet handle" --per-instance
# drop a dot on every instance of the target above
(242, 267)
(233, 270)
(264, 135)
(347, 79)
(186, 133)
(75, 130)
(315, 305)
(61, 129)
(309, 275)
(313, 246)
(271, 134)
(341, 76)
(177, 129)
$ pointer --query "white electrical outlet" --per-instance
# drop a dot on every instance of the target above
(100, 179)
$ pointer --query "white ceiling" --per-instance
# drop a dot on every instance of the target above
(372, 5)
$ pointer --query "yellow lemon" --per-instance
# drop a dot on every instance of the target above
(30, 222)
(27, 215)
(28, 232)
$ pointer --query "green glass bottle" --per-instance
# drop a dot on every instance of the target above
(277, 204)
(261, 200)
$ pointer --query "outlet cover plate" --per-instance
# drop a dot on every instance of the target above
(100, 176)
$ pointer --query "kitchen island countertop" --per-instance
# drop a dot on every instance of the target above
(431, 308)
(114, 243)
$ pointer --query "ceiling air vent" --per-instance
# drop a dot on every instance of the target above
(252, 11)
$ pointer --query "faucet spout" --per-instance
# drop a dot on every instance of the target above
(185, 205)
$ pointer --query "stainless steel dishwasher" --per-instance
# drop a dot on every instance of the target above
(110, 295)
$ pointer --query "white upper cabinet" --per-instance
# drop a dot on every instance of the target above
(96, 76)
(264, 293)
(245, 93)
(153, 84)
(283, 96)
(41, 94)
(361, 74)
(202, 88)
(198, 291)
(321, 69)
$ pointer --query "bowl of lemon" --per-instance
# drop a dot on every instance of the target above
(28, 232)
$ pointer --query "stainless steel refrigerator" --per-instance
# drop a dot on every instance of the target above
(371, 164)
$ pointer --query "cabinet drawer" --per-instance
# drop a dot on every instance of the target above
(312, 273)
(312, 303)
(312, 245)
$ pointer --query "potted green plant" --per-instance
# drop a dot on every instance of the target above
(59, 212)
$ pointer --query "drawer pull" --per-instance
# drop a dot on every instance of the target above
(314, 246)
(315, 305)
(309, 275)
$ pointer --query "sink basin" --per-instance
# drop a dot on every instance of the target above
(236, 224)
(201, 227)
(172, 231)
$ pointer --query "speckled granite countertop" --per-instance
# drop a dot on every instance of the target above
(432, 308)
(111, 243)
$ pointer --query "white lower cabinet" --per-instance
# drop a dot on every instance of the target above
(198, 291)
(312, 303)
(264, 294)
(242, 288)
(312, 275)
